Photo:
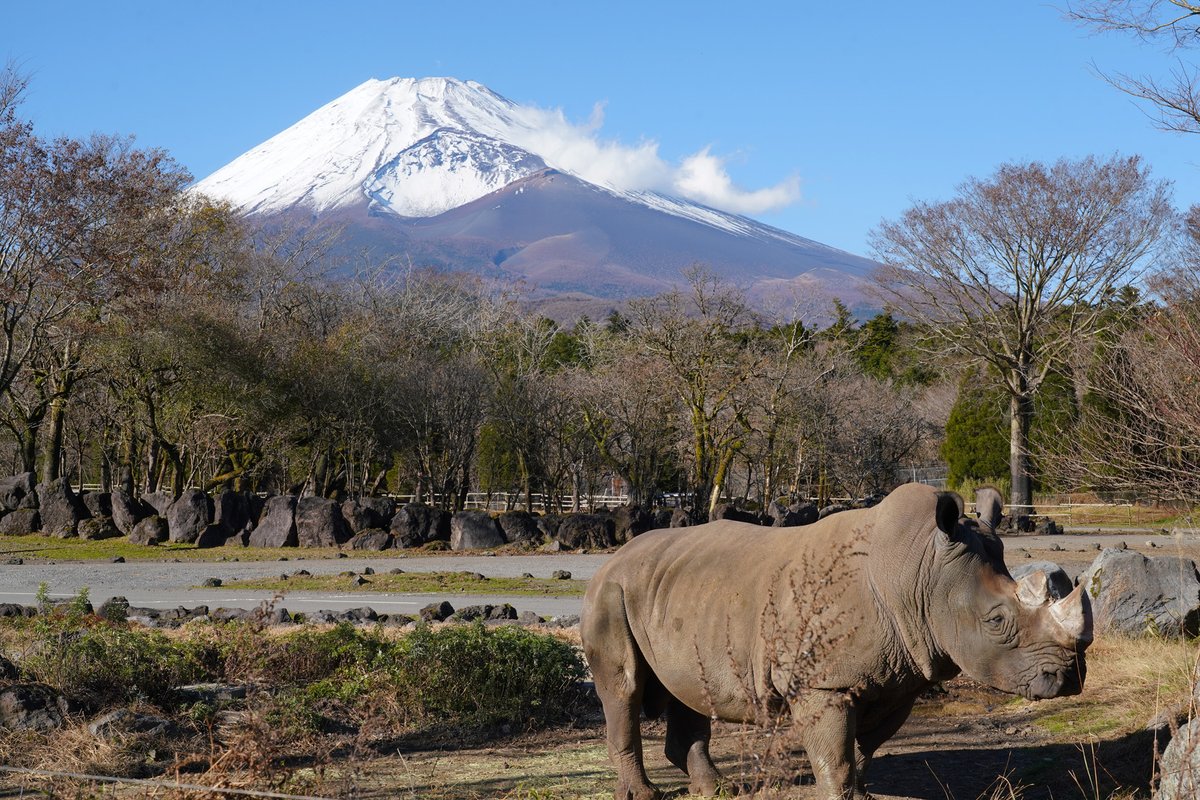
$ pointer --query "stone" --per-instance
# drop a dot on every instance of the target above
(277, 525)
(237, 513)
(117, 559)
(151, 530)
(587, 532)
(630, 521)
(211, 583)
(803, 513)
(729, 511)
(188, 516)
(474, 530)
(371, 539)
(124, 721)
(416, 524)
(1179, 768)
(548, 526)
(560, 575)
(114, 609)
(21, 522)
(528, 618)
(366, 513)
(98, 528)
(98, 504)
(319, 523)
(662, 517)
(31, 707)
(59, 508)
(1133, 594)
(519, 527)
(217, 535)
(835, 508)
(159, 501)
(1060, 582)
(127, 511)
(15, 489)
(680, 518)
(8, 670)
(436, 612)
(1045, 526)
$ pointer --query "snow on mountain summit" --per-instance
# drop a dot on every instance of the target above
(357, 148)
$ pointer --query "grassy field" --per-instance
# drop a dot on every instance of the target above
(416, 582)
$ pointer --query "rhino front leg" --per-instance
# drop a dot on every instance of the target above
(870, 740)
(826, 722)
(688, 734)
(620, 674)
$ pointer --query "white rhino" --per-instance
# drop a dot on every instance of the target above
(841, 624)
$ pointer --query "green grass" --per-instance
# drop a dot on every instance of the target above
(416, 582)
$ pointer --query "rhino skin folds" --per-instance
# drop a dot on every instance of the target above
(840, 625)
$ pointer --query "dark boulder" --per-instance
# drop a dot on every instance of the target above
(98, 504)
(519, 526)
(159, 501)
(1179, 769)
(474, 530)
(319, 523)
(548, 526)
(21, 522)
(829, 510)
(151, 530)
(730, 512)
(59, 508)
(1047, 527)
(31, 707)
(216, 535)
(804, 513)
(680, 518)
(188, 516)
(236, 512)
(364, 513)
(587, 532)
(277, 525)
(14, 490)
(1134, 595)
(98, 528)
(663, 517)
(630, 521)
(436, 612)
(128, 511)
(416, 524)
(371, 539)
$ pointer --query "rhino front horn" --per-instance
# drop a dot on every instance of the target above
(1074, 614)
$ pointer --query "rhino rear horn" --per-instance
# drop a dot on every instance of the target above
(1034, 589)
(989, 506)
(1074, 614)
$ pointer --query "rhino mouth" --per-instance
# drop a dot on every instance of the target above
(1057, 683)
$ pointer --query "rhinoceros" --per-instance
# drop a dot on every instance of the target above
(840, 624)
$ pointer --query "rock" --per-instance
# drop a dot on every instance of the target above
(159, 501)
(14, 490)
(211, 583)
(728, 511)
(98, 504)
(416, 524)
(114, 609)
(117, 559)
(528, 618)
(836, 508)
(31, 707)
(662, 517)
(630, 521)
(366, 513)
(680, 518)
(236, 512)
(123, 721)
(188, 516)
(319, 523)
(792, 516)
(217, 535)
(548, 526)
(21, 522)
(360, 614)
(587, 531)
(474, 530)
(17, 610)
(59, 508)
(1061, 584)
(98, 528)
(803, 513)
(560, 575)
(519, 526)
(127, 511)
(1133, 594)
(151, 530)
(1179, 769)
(436, 612)
(1047, 527)
(371, 539)
(8, 670)
(489, 613)
(277, 525)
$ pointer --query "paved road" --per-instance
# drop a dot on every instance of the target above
(170, 584)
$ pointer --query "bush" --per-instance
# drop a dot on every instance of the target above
(487, 676)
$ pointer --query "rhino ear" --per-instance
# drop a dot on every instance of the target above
(989, 506)
(949, 510)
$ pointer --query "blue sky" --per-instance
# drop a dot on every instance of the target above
(869, 105)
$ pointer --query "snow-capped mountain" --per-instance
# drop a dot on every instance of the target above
(446, 173)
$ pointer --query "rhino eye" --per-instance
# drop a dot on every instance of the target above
(996, 618)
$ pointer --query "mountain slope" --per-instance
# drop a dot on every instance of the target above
(441, 172)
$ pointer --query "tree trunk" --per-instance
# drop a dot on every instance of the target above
(1021, 496)
(52, 454)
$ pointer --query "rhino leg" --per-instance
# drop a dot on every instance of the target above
(688, 732)
(621, 675)
(868, 741)
(826, 722)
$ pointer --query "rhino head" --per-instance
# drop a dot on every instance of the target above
(1012, 635)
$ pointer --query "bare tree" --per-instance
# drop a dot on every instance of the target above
(1173, 24)
(1011, 272)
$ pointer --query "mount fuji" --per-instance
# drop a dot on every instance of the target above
(444, 173)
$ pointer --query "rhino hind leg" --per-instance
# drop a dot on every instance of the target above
(688, 733)
(621, 676)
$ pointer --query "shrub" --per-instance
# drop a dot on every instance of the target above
(487, 676)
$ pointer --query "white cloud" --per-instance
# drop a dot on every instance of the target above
(702, 177)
